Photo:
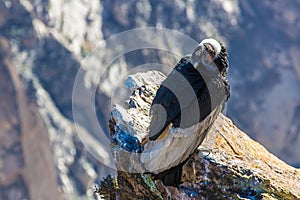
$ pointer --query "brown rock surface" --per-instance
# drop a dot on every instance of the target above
(236, 166)
(24, 141)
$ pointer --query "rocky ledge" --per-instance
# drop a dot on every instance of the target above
(235, 167)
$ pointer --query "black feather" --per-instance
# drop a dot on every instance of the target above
(222, 60)
(177, 83)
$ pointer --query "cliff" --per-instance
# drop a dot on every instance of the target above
(44, 42)
(235, 167)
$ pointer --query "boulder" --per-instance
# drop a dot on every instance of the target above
(227, 165)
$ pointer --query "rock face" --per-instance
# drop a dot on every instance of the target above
(236, 167)
(44, 42)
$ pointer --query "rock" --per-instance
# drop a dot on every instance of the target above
(11, 152)
(47, 41)
(235, 167)
(27, 156)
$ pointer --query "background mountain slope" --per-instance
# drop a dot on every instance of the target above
(42, 46)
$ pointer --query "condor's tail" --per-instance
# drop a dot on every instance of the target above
(172, 176)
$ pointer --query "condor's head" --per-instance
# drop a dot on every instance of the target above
(212, 55)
